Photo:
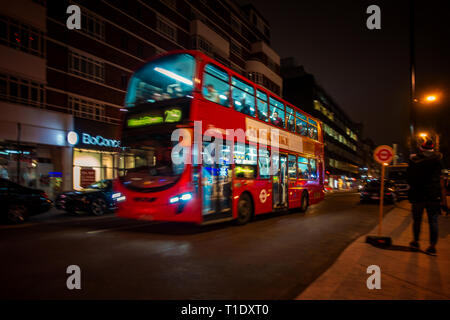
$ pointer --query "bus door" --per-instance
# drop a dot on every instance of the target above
(216, 184)
(280, 181)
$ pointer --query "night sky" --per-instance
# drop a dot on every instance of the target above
(367, 71)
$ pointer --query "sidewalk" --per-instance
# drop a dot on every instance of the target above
(404, 274)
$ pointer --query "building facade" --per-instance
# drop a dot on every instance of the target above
(55, 81)
(342, 137)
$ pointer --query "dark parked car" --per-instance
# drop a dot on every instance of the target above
(371, 192)
(17, 202)
(96, 199)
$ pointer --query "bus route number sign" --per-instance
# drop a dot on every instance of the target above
(383, 154)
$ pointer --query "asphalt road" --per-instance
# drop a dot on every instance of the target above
(273, 257)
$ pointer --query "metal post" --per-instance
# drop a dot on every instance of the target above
(412, 73)
(381, 199)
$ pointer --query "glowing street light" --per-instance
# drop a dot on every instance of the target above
(431, 98)
(423, 135)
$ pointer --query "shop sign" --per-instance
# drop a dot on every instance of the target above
(87, 139)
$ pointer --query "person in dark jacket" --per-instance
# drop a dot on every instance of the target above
(424, 179)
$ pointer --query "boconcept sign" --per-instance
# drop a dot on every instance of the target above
(87, 139)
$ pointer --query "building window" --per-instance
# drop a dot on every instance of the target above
(86, 67)
(92, 25)
(23, 91)
(166, 29)
(170, 3)
(140, 51)
(202, 44)
(86, 109)
(124, 81)
(236, 49)
(17, 35)
(124, 42)
(235, 25)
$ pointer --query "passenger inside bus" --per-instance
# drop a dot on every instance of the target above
(291, 124)
(276, 120)
(242, 104)
(302, 127)
(212, 94)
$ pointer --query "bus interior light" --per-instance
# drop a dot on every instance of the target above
(173, 75)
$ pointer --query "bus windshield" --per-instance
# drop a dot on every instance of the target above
(162, 79)
(149, 165)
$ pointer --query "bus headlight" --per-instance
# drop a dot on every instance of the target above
(182, 197)
(118, 197)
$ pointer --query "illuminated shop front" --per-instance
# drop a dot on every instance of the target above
(33, 149)
(96, 152)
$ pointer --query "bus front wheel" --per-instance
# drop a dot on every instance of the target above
(245, 209)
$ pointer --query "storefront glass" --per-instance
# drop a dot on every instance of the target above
(32, 166)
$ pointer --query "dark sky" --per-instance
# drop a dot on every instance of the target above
(366, 71)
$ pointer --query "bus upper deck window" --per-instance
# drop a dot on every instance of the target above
(215, 85)
(165, 78)
(243, 97)
(261, 104)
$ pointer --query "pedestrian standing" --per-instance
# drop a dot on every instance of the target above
(424, 178)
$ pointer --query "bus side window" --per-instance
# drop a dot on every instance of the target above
(264, 163)
(261, 101)
(245, 160)
(243, 97)
(215, 85)
(313, 169)
(303, 168)
(290, 120)
(312, 129)
(292, 169)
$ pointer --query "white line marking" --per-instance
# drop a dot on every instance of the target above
(122, 228)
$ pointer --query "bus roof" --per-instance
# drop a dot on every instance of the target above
(207, 59)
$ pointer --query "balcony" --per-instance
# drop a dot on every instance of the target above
(208, 41)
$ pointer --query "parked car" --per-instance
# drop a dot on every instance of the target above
(17, 202)
(371, 192)
(398, 175)
(96, 199)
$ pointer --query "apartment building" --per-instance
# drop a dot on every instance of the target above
(342, 136)
(57, 83)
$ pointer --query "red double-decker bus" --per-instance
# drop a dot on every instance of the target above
(189, 91)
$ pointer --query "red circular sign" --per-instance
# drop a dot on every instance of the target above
(383, 154)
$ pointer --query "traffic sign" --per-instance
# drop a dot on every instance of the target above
(383, 154)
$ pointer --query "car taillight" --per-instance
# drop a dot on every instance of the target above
(44, 195)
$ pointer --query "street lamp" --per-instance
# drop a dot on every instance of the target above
(431, 98)
(423, 135)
